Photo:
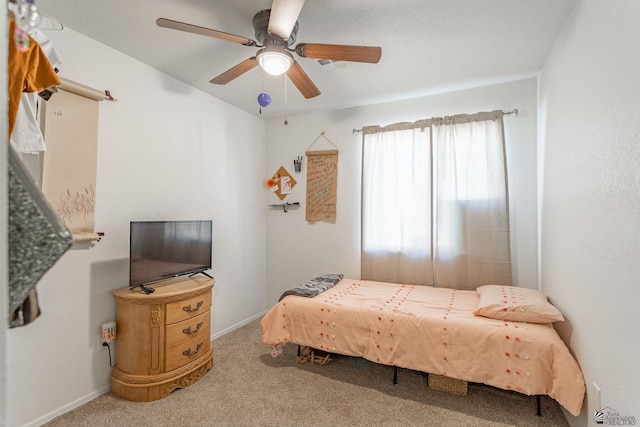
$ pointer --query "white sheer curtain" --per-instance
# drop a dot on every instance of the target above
(396, 211)
(434, 202)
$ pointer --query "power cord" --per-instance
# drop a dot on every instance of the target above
(106, 344)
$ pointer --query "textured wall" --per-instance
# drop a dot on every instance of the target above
(589, 107)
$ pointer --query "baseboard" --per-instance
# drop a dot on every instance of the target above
(68, 407)
(237, 325)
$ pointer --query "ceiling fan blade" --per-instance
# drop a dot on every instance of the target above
(236, 71)
(337, 52)
(195, 29)
(302, 81)
(283, 16)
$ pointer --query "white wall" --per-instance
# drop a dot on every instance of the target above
(166, 151)
(298, 250)
(590, 233)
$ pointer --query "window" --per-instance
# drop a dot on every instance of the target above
(434, 202)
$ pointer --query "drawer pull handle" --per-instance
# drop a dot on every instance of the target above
(188, 330)
(191, 353)
(189, 309)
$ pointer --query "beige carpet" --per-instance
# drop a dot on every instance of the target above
(247, 387)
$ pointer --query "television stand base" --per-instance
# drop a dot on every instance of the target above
(146, 289)
(201, 272)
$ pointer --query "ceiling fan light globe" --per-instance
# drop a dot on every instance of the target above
(274, 62)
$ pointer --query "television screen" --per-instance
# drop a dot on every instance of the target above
(162, 249)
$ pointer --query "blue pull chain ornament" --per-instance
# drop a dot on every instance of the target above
(264, 100)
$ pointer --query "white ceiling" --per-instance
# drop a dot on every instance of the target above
(428, 46)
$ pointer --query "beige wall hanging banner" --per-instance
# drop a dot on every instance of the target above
(322, 182)
(68, 168)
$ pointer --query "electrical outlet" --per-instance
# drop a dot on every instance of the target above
(100, 341)
(597, 403)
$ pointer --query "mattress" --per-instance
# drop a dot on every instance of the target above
(431, 330)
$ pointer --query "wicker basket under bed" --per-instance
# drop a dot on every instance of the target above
(450, 385)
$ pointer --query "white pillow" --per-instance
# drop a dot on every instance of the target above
(516, 304)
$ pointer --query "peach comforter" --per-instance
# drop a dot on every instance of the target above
(431, 330)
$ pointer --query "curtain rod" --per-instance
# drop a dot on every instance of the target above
(513, 112)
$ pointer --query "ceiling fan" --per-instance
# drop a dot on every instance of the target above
(276, 30)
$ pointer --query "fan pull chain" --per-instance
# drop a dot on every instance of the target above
(263, 99)
(261, 89)
(286, 122)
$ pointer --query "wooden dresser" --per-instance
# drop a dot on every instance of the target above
(163, 339)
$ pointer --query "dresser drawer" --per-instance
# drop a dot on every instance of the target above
(188, 308)
(187, 340)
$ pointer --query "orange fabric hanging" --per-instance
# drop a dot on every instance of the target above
(29, 70)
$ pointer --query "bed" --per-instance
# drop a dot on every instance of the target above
(436, 330)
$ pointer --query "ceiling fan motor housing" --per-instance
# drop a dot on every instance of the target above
(264, 37)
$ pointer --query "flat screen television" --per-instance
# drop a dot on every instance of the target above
(160, 250)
